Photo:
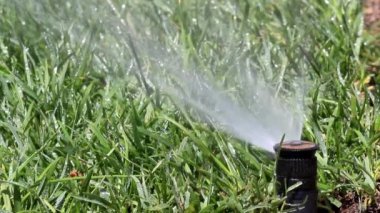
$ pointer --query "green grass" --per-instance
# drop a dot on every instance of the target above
(137, 151)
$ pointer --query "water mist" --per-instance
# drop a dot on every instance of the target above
(237, 99)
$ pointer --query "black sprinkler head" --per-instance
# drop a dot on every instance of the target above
(297, 164)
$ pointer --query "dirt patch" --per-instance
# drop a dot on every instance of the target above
(353, 202)
(350, 203)
(371, 12)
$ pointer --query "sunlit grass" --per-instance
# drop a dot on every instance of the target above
(76, 138)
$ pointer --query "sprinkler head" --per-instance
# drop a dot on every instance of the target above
(297, 164)
(296, 149)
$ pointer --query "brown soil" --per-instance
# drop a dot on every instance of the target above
(371, 12)
(352, 203)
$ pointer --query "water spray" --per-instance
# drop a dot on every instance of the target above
(297, 165)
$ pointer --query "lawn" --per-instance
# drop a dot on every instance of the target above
(92, 118)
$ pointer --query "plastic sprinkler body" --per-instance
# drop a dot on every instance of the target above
(297, 164)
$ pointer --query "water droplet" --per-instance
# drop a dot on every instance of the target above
(104, 194)
(324, 51)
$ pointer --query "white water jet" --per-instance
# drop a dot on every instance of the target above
(260, 115)
(262, 124)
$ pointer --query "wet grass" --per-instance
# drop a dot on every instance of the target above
(78, 137)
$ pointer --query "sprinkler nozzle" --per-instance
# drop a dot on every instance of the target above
(297, 164)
